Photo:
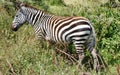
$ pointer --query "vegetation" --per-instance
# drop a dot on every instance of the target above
(22, 54)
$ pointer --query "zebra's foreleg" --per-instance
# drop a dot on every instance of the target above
(95, 58)
(50, 43)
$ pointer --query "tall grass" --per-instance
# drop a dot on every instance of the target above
(23, 53)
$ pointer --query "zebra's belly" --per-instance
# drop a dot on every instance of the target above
(79, 37)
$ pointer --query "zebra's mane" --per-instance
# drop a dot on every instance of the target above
(28, 6)
(34, 8)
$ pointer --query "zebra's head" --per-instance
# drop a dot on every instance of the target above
(19, 18)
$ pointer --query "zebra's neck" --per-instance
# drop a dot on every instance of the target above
(34, 16)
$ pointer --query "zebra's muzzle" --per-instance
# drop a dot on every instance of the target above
(14, 27)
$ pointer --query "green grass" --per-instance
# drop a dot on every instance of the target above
(27, 56)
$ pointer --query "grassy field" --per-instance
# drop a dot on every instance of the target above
(22, 54)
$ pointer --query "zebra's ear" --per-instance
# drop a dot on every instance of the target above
(18, 5)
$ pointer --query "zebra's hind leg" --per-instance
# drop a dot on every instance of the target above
(81, 56)
(95, 58)
(80, 52)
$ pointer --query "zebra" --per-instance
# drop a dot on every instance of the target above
(76, 30)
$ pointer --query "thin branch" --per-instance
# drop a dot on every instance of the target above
(11, 68)
(70, 57)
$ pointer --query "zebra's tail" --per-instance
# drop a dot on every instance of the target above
(91, 42)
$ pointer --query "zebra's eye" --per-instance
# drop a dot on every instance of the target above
(16, 15)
